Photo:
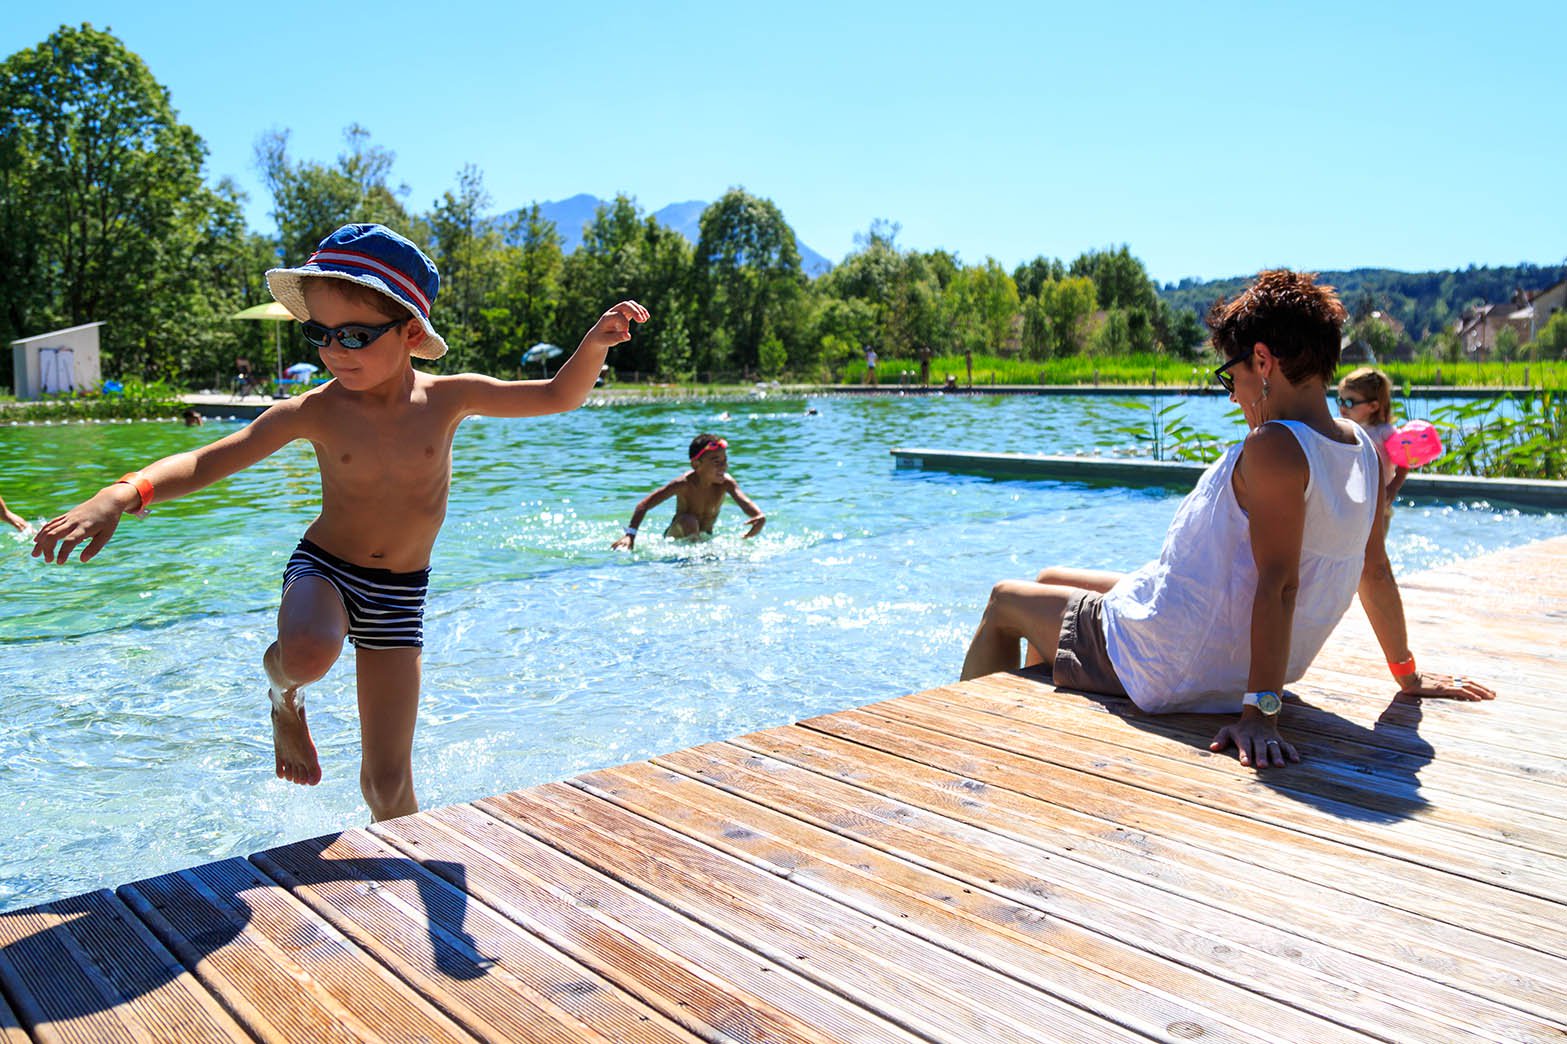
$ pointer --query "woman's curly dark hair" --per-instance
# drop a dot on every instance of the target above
(1299, 320)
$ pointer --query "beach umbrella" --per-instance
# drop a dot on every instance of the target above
(301, 371)
(275, 313)
(541, 353)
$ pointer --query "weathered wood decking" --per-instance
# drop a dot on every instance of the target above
(988, 861)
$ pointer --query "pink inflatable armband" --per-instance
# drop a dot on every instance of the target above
(1414, 444)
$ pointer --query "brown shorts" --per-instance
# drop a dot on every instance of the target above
(1082, 661)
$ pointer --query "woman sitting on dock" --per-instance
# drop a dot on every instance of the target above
(1261, 561)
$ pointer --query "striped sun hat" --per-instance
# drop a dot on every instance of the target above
(373, 256)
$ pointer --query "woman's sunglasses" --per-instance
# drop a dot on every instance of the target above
(351, 335)
(1222, 374)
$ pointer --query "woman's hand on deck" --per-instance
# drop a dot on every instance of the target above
(1257, 743)
(1443, 687)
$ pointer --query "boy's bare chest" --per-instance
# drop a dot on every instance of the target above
(700, 498)
(371, 457)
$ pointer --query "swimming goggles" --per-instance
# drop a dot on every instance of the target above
(352, 336)
(722, 444)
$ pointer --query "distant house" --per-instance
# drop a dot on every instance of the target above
(1532, 310)
(1526, 313)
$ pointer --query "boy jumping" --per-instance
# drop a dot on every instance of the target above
(382, 432)
(699, 493)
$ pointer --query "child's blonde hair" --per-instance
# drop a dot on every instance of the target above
(1373, 385)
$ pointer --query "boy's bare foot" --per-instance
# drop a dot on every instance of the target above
(291, 742)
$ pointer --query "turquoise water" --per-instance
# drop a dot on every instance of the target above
(137, 739)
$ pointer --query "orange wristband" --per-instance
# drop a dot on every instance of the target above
(1403, 668)
(143, 486)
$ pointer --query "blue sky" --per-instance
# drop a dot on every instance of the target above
(1214, 139)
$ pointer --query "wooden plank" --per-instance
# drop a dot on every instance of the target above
(1483, 746)
(1488, 966)
(1120, 789)
(1385, 788)
(1121, 982)
(1319, 822)
(11, 1031)
(283, 972)
(1332, 740)
(929, 990)
(696, 977)
(1298, 970)
(86, 968)
(498, 981)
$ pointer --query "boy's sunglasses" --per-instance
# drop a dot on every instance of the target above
(1222, 374)
(1350, 404)
(350, 335)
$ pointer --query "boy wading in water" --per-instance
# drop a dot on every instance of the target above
(699, 494)
(382, 432)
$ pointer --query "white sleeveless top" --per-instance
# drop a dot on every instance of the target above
(1178, 630)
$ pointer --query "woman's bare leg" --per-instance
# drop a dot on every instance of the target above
(1066, 576)
(1018, 610)
(388, 711)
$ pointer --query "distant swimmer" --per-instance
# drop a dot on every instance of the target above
(699, 494)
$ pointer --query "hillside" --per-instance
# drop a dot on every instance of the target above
(1422, 301)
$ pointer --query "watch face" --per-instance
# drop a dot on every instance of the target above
(1269, 703)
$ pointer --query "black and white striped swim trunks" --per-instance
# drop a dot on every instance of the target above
(385, 609)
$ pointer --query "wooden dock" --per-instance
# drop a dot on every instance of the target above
(988, 861)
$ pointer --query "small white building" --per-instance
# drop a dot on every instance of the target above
(60, 361)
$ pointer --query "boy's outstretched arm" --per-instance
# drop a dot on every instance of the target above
(485, 396)
(1385, 609)
(753, 514)
(14, 520)
(646, 504)
(94, 520)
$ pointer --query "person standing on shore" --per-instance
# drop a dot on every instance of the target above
(870, 366)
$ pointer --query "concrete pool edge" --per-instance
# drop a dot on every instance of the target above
(1540, 493)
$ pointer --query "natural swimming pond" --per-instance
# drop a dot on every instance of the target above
(137, 739)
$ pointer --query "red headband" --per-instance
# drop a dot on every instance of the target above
(716, 444)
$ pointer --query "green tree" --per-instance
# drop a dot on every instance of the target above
(983, 301)
(1114, 335)
(1507, 342)
(748, 271)
(1551, 340)
(310, 199)
(469, 253)
(604, 269)
(1120, 280)
(104, 215)
(1067, 304)
(1186, 334)
(1031, 275)
(532, 285)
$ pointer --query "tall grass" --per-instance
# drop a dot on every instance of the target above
(1550, 374)
(1142, 369)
